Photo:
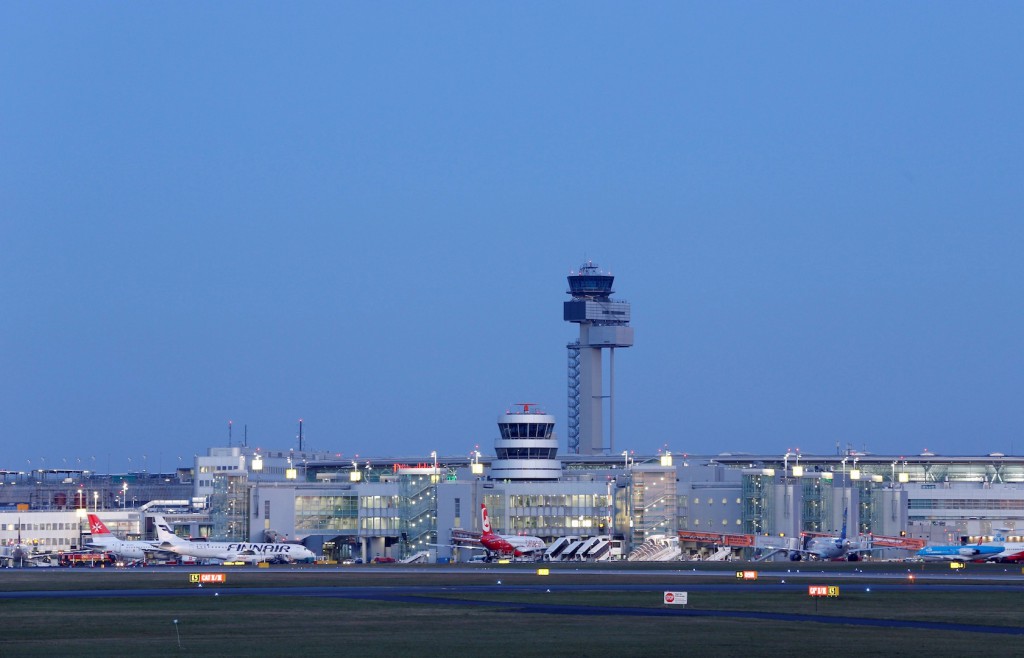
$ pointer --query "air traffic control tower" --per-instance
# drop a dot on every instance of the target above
(604, 324)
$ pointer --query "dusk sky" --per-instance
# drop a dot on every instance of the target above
(363, 215)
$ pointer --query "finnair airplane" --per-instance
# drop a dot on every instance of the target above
(230, 551)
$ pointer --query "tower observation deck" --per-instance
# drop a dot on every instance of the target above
(604, 324)
(527, 447)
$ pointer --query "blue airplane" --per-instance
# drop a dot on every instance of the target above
(969, 552)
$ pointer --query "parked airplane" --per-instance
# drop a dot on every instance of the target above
(230, 551)
(17, 554)
(512, 545)
(998, 550)
(1013, 551)
(830, 548)
(972, 552)
(104, 540)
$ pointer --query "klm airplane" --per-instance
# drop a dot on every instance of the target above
(971, 552)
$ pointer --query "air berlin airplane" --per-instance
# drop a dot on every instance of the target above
(514, 545)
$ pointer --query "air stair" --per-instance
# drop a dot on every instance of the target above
(416, 558)
(557, 547)
(721, 554)
(657, 548)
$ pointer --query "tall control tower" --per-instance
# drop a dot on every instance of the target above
(604, 324)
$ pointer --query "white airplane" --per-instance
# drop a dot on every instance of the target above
(512, 545)
(17, 554)
(830, 548)
(1013, 551)
(103, 539)
(230, 551)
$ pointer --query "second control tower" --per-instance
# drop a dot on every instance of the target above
(604, 324)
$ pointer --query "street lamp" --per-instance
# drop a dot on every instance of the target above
(95, 501)
(124, 495)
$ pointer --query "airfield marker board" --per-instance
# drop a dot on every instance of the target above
(202, 578)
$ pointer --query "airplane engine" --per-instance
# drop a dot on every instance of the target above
(794, 556)
(853, 557)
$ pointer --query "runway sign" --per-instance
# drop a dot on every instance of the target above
(207, 578)
(823, 590)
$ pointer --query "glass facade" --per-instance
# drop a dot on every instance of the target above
(327, 513)
(229, 507)
(559, 514)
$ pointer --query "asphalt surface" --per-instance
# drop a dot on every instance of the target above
(673, 580)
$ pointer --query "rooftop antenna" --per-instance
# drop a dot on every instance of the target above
(245, 435)
(300, 435)
(229, 433)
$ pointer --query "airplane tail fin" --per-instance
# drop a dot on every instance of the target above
(164, 532)
(96, 526)
(486, 524)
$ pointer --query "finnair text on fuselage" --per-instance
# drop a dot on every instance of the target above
(242, 547)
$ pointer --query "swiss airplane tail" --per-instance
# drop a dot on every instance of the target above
(486, 527)
(96, 526)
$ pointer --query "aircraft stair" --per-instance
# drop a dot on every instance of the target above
(573, 549)
(657, 548)
(600, 550)
(721, 554)
(416, 558)
(557, 547)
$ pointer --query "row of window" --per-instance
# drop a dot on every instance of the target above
(378, 502)
(964, 503)
(526, 453)
(708, 501)
(526, 430)
(329, 505)
(39, 526)
(560, 500)
(214, 469)
(43, 542)
(710, 523)
(520, 523)
(349, 524)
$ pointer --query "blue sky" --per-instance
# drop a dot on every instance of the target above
(362, 215)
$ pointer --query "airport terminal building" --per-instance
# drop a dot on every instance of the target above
(428, 506)
(425, 505)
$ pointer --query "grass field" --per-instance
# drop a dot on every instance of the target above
(279, 625)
